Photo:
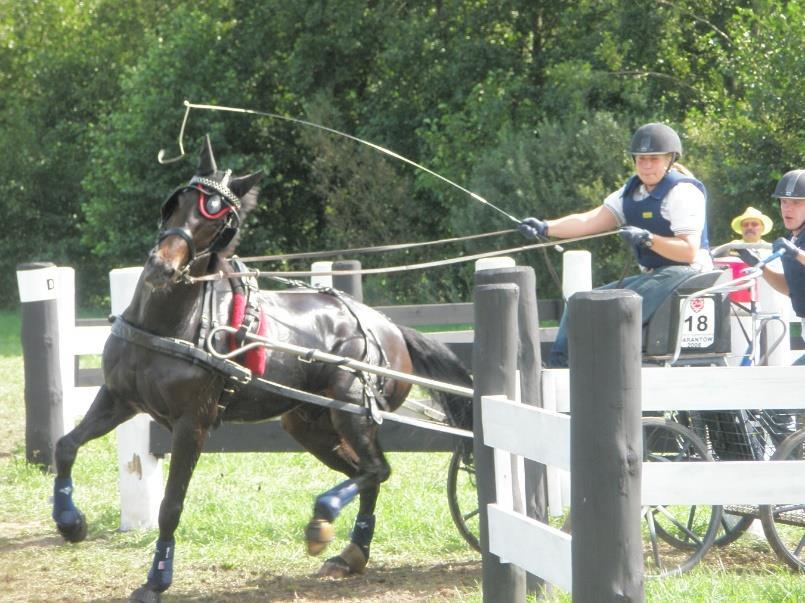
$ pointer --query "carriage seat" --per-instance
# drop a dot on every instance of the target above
(702, 338)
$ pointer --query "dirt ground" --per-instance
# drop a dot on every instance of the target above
(31, 546)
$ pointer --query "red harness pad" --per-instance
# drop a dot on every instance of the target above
(254, 359)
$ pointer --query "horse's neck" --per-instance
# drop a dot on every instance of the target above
(173, 312)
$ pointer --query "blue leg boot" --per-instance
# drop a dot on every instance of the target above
(319, 532)
(160, 575)
(69, 520)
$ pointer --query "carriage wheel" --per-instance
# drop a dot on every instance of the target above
(675, 537)
(462, 497)
(784, 525)
(733, 526)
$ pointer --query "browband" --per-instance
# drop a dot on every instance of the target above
(219, 187)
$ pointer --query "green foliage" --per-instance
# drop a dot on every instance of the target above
(62, 63)
(558, 168)
(749, 138)
(529, 103)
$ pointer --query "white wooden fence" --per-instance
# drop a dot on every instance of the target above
(543, 435)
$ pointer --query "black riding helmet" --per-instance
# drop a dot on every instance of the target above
(791, 185)
(656, 139)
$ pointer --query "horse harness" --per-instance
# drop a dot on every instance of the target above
(236, 374)
(372, 384)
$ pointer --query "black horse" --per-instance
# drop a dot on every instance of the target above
(190, 391)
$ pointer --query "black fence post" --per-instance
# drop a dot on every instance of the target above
(529, 362)
(494, 361)
(39, 335)
(348, 283)
(604, 329)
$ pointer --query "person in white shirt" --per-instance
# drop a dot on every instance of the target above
(661, 213)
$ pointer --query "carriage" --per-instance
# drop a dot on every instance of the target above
(685, 333)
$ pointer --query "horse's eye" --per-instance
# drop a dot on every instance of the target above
(214, 204)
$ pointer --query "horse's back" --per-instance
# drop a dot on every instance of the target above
(319, 315)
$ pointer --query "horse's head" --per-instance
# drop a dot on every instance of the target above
(199, 219)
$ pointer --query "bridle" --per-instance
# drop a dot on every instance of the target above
(215, 201)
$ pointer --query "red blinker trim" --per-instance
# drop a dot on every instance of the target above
(203, 210)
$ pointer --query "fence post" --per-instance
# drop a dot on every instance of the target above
(494, 361)
(324, 280)
(577, 273)
(606, 443)
(529, 364)
(65, 298)
(39, 334)
(348, 283)
(139, 471)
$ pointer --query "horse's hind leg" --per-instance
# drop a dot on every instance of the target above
(346, 443)
(105, 413)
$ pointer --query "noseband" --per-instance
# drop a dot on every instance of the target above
(215, 200)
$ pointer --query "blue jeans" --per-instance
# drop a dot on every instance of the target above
(654, 287)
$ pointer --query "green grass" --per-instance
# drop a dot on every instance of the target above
(10, 333)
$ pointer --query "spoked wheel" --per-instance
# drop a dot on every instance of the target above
(675, 537)
(732, 527)
(462, 497)
(784, 525)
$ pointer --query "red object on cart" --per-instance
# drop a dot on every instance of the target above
(738, 266)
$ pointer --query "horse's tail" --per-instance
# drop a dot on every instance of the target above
(436, 361)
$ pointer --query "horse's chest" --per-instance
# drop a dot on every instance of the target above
(157, 383)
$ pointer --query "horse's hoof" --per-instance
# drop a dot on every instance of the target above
(144, 595)
(74, 532)
(318, 533)
(351, 561)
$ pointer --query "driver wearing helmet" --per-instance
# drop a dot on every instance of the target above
(661, 214)
(790, 191)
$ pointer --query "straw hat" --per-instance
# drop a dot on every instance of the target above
(752, 213)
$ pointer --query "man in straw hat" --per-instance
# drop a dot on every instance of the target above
(752, 225)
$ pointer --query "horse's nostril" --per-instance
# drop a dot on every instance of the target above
(158, 271)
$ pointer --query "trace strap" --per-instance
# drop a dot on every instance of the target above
(311, 354)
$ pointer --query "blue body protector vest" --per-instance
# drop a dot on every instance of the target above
(795, 278)
(646, 214)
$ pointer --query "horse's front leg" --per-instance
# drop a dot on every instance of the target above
(187, 442)
(105, 413)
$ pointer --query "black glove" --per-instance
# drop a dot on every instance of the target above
(637, 237)
(787, 247)
(531, 228)
(747, 256)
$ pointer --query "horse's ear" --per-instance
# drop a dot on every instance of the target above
(206, 163)
(242, 185)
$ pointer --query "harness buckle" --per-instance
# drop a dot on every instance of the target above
(307, 357)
